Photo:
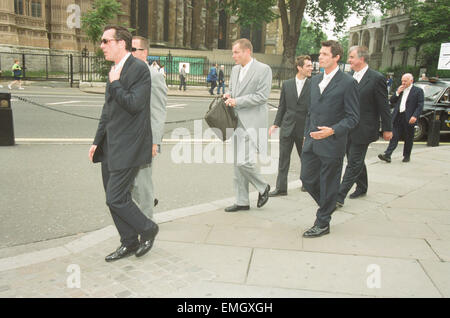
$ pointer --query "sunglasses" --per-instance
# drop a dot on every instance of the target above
(106, 41)
(134, 49)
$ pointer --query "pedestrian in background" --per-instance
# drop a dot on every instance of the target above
(212, 78)
(183, 77)
(221, 80)
(389, 84)
(17, 73)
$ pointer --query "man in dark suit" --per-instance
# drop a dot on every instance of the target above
(373, 101)
(333, 112)
(408, 105)
(123, 141)
(291, 114)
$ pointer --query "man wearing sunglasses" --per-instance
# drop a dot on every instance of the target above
(143, 192)
(123, 141)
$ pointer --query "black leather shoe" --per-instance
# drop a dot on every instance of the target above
(382, 156)
(316, 231)
(235, 208)
(406, 159)
(357, 194)
(277, 193)
(263, 198)
(155, 202)
(122, 251)
(147, 240)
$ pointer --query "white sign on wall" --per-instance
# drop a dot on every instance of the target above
(444, 57)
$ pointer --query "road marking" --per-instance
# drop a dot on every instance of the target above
(68, 102)
(176, 106)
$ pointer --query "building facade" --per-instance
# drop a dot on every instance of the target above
(54, 25)
(383, 38)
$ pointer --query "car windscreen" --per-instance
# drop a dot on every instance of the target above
(431, 92)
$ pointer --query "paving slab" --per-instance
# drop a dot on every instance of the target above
(441, 247)
(179, 232)
(359, 275)
(442, 230)
(439, 272)
(413, 215)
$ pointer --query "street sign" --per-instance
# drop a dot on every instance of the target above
(444, 57)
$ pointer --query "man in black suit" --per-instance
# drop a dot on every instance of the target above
(373, 101)
(408, 106)
(123, 141)
(333, 112)
(291, 114)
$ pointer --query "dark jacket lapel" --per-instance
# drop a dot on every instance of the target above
(365, 79)
(304, 89)
(332, 84)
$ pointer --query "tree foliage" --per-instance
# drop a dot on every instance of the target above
(310, 40)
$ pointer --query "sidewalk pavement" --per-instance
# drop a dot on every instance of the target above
(394, 242)
(191, 91)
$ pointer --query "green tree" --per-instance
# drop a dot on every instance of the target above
(310, 41)
(343, 40)
(429, 27)
(251, 12)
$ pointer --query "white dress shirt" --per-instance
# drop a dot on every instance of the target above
(326, 79)
(244, 70)
(360, 74)
(121, 63)
(300, 84)
(404, 98)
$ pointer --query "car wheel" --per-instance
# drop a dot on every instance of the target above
(420, 130)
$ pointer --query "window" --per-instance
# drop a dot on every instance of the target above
(18, 6)
(36, 10)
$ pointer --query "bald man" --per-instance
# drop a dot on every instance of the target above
(408, 105)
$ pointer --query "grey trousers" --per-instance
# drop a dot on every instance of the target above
(245, 168)
(142, 191)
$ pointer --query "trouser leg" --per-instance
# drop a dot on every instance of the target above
(143, 193)
(355, 165)
(286, 145)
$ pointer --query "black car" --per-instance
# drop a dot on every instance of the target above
(437, 103)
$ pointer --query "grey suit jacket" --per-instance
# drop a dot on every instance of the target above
(291, 114)
(337, 107)
(125, 120)
(158, 105)
(251, 98)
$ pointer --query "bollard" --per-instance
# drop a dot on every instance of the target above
(6, 120)
(434, 130)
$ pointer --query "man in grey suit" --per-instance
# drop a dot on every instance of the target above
(374, 105)
(291, 115)
(123, 141)
(249, 90)
(143, 191)
(333, 112)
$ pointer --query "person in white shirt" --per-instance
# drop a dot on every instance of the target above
(291, 115)
(408, 105)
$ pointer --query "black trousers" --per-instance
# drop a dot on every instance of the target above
(356, 171)
(321, 177)
(213, 85)
(286, 146)
(182, 82)
(128, 218)
(401, 128)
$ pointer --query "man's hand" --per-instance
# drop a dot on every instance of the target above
(91, 152)
(230, 102)
(400, 89)
(272, 129)
(412, 120)
(154, 150)
(323, 132)
(114, 75)
(387, 135)
(226, 96)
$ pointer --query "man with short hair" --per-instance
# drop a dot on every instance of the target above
(291, 115)
(333, 112)
(373, 101)
(143, 191)
(408, 105)
(123, 141)
(249, 90)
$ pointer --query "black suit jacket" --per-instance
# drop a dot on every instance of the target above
(292, 109)
(373, 102)
(125, 120)
(414, 103)
(337, 107)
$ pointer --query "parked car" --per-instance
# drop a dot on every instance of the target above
(437, 102)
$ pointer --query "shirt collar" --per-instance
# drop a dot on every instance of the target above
(363, 71)
(298, 81)
(247, 66)
(122, 61)
(331, 75)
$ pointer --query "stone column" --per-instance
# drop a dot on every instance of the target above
(187, 34)
(198, 24)
(172, 23)
(212, 24)
(179, 36)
